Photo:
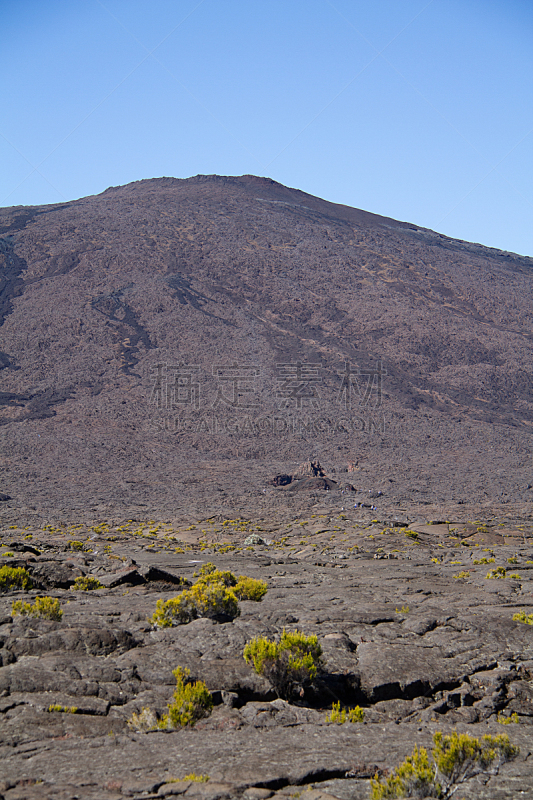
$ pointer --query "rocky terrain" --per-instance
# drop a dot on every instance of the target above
(228, 371)
(411, 627)
(177, 342)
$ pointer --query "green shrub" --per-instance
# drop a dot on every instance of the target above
(86, 583)
(210, 574)
(14, 578)
(215, 594)
(191, 702)
(63, 709)
(403, 610)
(415, 777)
(456, 759)
(521, 616)
(201, 600)
(74, 544)
(44, 607)
(292, 662)
(339, 716)
(514, 718)
(499, 572)
(196, 778)
(250, 589)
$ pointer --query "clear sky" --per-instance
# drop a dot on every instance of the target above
(421, 110)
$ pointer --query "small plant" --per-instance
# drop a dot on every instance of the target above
(215, 594)
(499, 572)
(402, 610)
(86, 583)
(514, 576)
(192, 701)
(63, 709)
(202, 600)
(514, 718)
(462, 574)
(14, 578)
(415, 777)
(8, 554)
(456, 759)
(513, 560)
(44, 607)
(339, 716)
(74, 544)
(196, 778)
(521, 616)
(291, 663)
(484, 560)
(250, 589)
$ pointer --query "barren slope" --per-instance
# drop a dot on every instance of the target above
(173, 339)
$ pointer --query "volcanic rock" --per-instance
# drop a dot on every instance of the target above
(216, 329)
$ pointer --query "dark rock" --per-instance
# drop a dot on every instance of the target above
(281, 480)
(153, 573)
(311, 484)
(520, 698)
(278, 712)
(25, 641)
(127, 577)
(309, 469)
(54, 574)
(420, 625)
(24, 547)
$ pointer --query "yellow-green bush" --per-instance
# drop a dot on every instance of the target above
(86, 583)
(456, 759)
(250, 589)
(14, 578)
(191, 702)
(44, 607)
(339, 716)
(63, 709)
(521, 616)
(215, 594)
(415, 777)
(290, 663)
(514, 718)
(201, 600)
(498, 572)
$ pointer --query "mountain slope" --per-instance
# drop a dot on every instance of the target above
(178, 339)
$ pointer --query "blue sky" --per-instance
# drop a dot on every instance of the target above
(417, 110)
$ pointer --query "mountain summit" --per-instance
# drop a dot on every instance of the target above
(172, 339)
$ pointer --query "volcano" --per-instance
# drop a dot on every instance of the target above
(176, 343)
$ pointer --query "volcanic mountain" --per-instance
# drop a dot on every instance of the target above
(174, 341)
